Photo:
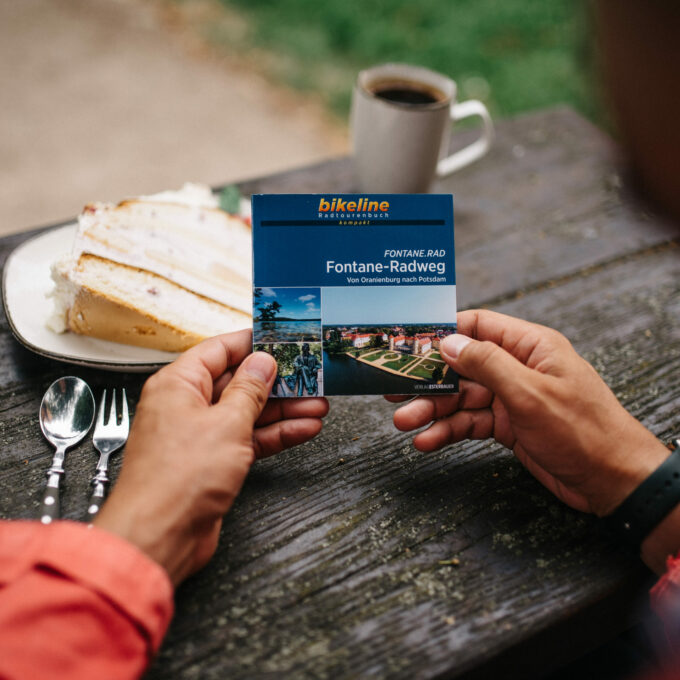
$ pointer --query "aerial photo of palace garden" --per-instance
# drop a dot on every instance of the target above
(407, 350)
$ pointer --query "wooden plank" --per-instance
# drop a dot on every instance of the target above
(331, 570)
(550, 198)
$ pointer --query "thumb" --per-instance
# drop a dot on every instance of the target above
(246, 394)
(486, 363)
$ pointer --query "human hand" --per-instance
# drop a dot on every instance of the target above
(200, 423)
(525, 386)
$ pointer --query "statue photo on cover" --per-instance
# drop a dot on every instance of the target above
(306, 368)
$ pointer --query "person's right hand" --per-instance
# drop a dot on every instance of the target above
(524, 385)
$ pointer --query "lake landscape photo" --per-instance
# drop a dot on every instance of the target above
(287, 315)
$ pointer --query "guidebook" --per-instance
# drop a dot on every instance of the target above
(353, 294)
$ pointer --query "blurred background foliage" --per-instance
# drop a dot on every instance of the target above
(515, 55)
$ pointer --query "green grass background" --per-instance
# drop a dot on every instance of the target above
(400, 363)
(426, 373)
(373, 356)
(516, 55)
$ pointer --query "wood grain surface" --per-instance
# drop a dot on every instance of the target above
(355, 555)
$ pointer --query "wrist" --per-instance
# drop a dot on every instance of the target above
(156, 537)
(649, 517)
(636, 454)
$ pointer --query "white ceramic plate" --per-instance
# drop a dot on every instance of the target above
(26, 283)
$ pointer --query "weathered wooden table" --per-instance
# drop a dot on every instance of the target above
(331, 562)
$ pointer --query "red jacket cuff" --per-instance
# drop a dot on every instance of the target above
(665, 599)
(100, 561)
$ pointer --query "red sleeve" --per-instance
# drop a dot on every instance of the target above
(665, 600)
(77, 603)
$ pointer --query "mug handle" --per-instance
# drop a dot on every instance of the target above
(478, 148)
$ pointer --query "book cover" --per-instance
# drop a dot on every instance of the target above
(352, 294)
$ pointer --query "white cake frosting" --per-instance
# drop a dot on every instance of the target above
(197, 195)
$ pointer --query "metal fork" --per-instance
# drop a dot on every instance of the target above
(108, 438)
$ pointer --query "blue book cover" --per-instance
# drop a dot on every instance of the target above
(352, 294)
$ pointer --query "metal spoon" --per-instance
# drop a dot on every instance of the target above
(66, 415)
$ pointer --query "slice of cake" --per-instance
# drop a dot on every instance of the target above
(162, 271)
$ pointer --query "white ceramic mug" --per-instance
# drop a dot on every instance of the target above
(398, 139)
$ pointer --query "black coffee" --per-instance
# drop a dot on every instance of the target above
(407, 93)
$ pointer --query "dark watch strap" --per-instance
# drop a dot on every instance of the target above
(640, 513)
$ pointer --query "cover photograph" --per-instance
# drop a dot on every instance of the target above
(352, 294)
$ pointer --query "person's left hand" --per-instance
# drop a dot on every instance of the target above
(200, 423)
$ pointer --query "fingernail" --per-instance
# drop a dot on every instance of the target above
(452, 345)
(260, 365)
